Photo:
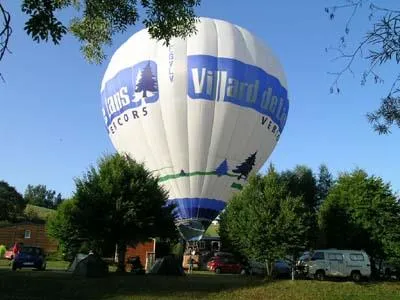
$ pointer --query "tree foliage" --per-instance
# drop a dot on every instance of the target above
(63, 227)
(301, 182)
(39, 195)
(119, 203)
(97, 22)
(12, 204)
(324, 183)
(263, 222)
(361, 212)
(379, 46)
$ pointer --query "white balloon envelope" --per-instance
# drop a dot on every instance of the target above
(203, 113)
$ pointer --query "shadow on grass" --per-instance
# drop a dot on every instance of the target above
(27, 284)
(364, 282)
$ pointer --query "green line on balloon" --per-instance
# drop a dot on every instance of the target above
(196, 173)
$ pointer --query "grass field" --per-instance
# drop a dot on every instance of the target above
(52, 265)
(57, 284)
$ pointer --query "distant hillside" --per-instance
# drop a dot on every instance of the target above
(34, 212)
(212, 231)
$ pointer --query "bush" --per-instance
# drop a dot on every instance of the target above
(178, 250)
(3, 250)
(55, 256)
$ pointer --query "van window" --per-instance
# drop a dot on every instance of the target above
(335, 256)
(318, 256)
(356, 257)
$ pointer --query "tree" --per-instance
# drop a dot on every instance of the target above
(98, 21)
(324, 183)
(361, 212)
(63, 226)
(263, 222)
(301, 182)
(379, 46)
(39, 195)
(12, 204)
(120, 203)
(147, 81)
(245, 168)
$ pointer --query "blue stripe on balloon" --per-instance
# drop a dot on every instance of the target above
(193, 208)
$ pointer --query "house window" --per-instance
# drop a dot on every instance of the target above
(202, 245)
(27, 234)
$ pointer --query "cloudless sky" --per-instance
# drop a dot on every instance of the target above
(51, 125)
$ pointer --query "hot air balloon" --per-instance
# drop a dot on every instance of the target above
(203, 113)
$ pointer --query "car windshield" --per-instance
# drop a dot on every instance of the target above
(305, 257)
(31, 250)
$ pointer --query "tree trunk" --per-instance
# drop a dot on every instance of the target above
(293, 266)
(120, 256)
(269, 265)
(272, 268)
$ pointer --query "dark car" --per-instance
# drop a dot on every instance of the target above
(223, 264)
(30, 257)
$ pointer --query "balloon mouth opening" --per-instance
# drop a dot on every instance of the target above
(192, 230)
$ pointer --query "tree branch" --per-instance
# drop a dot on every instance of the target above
(348, 65)
(382, 44)
(5, 34)
(373, 6)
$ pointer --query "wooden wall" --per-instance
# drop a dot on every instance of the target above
(10, 234)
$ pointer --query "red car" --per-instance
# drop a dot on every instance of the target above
(220, 264)
(9, 254)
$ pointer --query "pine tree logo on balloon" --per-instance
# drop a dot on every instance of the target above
(245, 168)
(126, 95)
(147, 82)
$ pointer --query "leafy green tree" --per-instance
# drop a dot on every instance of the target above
(301, 182)
(12, 204)
(121, 203)
(379, 46)
(263, 222)
(39, 195)
(361, 212)
(63, 227)
(96, 22)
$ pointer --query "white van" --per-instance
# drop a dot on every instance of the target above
(339, 263)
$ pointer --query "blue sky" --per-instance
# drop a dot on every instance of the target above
(51, 126)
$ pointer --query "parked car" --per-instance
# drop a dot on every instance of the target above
(225, 264)
(30, 257)
(386, 270)
(9, 254)
(301, 269)
(281, 268)
(339, 263)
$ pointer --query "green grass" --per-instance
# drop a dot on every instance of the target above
(212, 231)
(200, 285)
(41, 212)
(51, 265)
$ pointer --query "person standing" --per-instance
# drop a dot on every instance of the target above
(16, 249)
(191, 260)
